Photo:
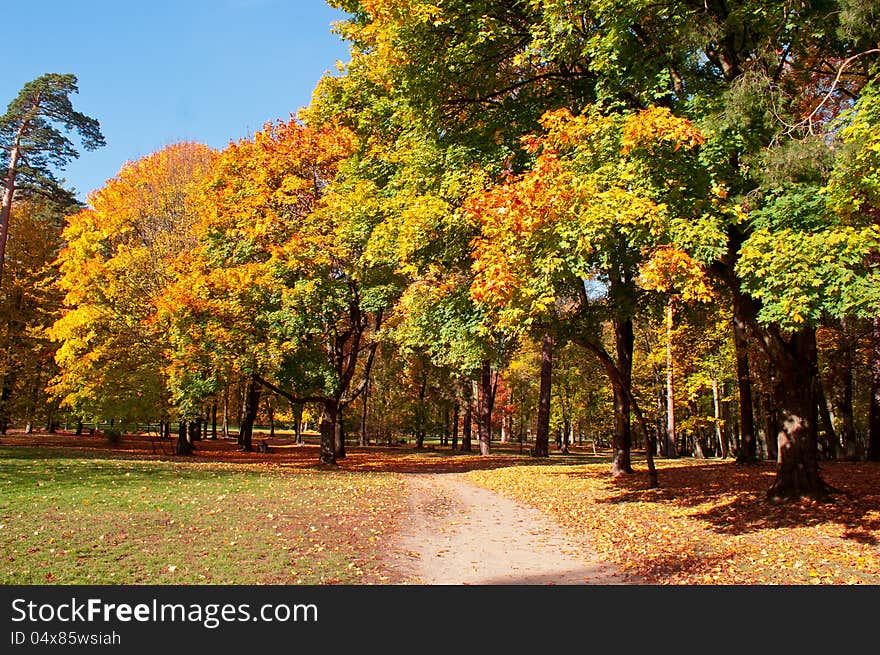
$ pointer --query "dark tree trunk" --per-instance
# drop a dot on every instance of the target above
(624, 338)
(184, 445)
(542, 435)
(249, 414)
(195, 430)
(455, 411)
(566, 435)
(328, 434)
(845, 407)
(748, 450)
(214, 420)
(699, 440)
(874, 409)
(364, 440)
(224, 426)
(5, 395)
(487, 399)
(297, 422)
(270, 410)
(771, 427)
(79, 428)
(797, 470)
(339, 434)
(830, 443)
(421, 412)
(466, 427)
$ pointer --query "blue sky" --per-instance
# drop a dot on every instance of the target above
(155, 73)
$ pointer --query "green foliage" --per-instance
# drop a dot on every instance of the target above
(802, 275)
(36, 118)
(119, 258)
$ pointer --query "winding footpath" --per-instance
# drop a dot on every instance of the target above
(460, 534)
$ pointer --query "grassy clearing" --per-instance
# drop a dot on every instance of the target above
(74, 518)
(81, 510)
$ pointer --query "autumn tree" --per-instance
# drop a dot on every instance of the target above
(33, 141)
(120, 255)
(763, 88)
(566, 239)
(854, 194)
(418, 183)
(280, 292)
(29, 303)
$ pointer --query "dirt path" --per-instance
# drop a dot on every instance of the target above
(458, 533)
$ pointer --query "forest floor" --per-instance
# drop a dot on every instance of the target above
(396, 515)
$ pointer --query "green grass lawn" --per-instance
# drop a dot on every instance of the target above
(73, 520)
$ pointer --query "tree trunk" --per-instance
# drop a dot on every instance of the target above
(698, 450)
(270, 411)
(224, 429)
(874, 409)
(364, 440)
(421, 412)
(79, 428)
(748, 448)
(487, 399)
(455, 412)
(542, 435)
(771, 429)
(339, 434)
(8, 194)
(719, 431)
(5, 395)
(184, 446)
(195, 430)
(624, 338)
(214, 420)
(845, 408)
(249, 414)
(327, 454)
(566, 434)
(297, 422)
(466, 427)
(797, 470)
(671, 449)
(829, 441)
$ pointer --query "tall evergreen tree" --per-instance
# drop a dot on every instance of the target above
(33, 141)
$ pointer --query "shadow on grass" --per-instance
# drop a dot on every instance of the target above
(731, 498)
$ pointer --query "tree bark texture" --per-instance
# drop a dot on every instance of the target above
(249, 414)
(542, 434)
(797, 466)
(622, 439)
(748, 445)
(487, 394)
